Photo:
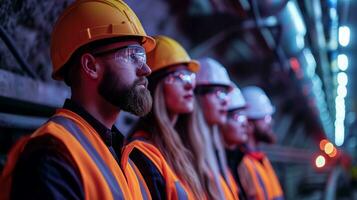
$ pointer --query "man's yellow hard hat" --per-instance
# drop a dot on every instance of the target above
(86, 21)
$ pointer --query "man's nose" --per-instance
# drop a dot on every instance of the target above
(144, 70)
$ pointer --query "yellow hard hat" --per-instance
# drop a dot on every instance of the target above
(168, 52)
(86, 21)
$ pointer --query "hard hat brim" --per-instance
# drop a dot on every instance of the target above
(148, 43)
(228, 86)
(256, 115)
(193, 66)
(237, 108)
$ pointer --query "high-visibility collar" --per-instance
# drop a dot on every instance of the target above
(175, 188)
(101, 176)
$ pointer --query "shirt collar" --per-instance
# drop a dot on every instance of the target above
(111, 137)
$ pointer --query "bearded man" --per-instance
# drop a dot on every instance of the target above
(99, 49)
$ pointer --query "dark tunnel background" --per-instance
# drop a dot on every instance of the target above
(290, 48)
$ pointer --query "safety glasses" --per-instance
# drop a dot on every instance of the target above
(132, 54)
(238, 117)
(220, 92)
(266, 119)
(183, 76)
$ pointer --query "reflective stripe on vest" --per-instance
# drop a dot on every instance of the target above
(72, 128)
(253, 175)
(142, 187)
(228, 185)
(264, 177)
(278, 198)
(233, 185)
(180, 191)
(260, 181)
(174, 188)
(277, 192)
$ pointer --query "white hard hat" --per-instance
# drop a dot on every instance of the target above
(258, 103)
(236, 98)
(212, 73)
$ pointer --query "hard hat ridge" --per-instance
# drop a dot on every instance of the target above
(168, 52)
(236, 98)
(86, 21)
(212, 73)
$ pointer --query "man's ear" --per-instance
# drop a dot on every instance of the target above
(90, 66)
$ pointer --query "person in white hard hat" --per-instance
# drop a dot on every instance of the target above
(211, 93)
(259, 112)
(234, 131)
(256, 174)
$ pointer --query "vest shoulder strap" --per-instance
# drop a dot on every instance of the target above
(73, 128)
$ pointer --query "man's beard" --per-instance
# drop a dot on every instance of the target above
(133, 99)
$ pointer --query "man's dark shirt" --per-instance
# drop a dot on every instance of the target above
(46, 170)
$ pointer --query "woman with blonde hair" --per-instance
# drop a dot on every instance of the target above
(157, 144)
(212, 87)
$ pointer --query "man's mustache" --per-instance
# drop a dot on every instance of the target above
(141, 81)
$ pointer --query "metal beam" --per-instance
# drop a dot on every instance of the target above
(204, 47)
(319, 45)
(20, 122)
(283, 126)
(288, 155)
(22, 95)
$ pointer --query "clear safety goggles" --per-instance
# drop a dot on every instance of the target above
(132, 54)
(183, 76)
(266, 119)
(238, 117)
(220, 92)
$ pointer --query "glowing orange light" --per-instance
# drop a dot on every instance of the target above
(323, 143)
(329, 148)
(320, 161)
(333, 153)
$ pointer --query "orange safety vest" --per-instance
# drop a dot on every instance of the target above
(101, 175)
(263, 178)
(175, 189)
(230, 188)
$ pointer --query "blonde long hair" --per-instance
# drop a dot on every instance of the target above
(170, 141)
(208, 167)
